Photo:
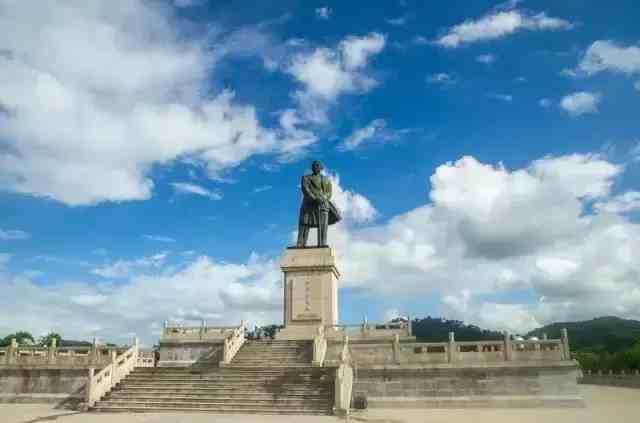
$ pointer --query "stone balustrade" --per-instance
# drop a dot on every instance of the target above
(99, 384)
(188, 332)
(394, 350)
(38, 356)
(319, 347)
(146, 359)
(232, 344)
(367, 331)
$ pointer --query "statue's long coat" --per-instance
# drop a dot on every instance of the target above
(315, 188)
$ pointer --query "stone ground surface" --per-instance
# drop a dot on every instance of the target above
(604, 405)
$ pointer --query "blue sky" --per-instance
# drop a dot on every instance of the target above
(486, 156)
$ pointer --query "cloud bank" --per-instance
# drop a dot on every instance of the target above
(553, 232)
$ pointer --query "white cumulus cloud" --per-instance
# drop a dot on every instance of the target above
(581, 103)
(323, 13)
(442, 78)
(193, 189)
(95, 94)
(605, 55)
(13, 234)
(487, 59)
(623, 203)
(499, 24)
(327, 73)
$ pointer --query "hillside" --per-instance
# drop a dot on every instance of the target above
(435, 329)
(611, 334)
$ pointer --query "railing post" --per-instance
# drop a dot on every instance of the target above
(396, 349)
(12, 351)
(566, 352)
(114, 368)
(507, 347)
(94, 356)
(136, 351)
(202, 329)
(89, 388)
(225, 351)
(51, 352)
(451, 350)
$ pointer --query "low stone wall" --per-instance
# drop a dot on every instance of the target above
(486, 385)
(189, 353)
(618, 380)
(63, 387)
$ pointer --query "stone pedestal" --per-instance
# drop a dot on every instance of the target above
(310, 291)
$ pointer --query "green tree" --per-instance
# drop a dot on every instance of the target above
(45, 341)
(270, 330)
(22, 337)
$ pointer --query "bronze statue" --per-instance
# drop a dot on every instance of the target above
(317, 210)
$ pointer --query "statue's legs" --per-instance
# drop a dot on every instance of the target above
(303, 234)
(323, 224)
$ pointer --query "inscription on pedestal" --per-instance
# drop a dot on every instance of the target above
(307, 298)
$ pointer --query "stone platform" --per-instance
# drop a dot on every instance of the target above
(497, 385)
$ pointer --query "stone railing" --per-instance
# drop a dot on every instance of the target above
(203, 332)
(319, 347)
(344, 381)
(232, 344)
(145, 359)
(99, 384)
(39, 356)
(379, 351)
(483, 351)
(368, 330)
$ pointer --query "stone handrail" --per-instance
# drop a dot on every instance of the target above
(319, 347)
(99, 384)
(146, 359)
(35, 355)
(182, 331)
(399, 351)
(232, 344)
(344, 381)
(368, 330)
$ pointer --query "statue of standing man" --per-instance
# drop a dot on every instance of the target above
(317, 210)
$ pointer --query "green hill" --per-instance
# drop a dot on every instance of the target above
(435, 329)
(611, 334)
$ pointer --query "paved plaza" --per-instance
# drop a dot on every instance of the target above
(604, 405)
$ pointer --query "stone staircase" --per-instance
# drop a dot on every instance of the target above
(274, 354)
(265, 377)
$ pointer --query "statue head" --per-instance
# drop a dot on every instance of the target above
(316, 167)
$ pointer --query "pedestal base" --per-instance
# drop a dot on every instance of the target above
(310, 291)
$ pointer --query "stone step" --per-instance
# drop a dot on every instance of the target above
(302, 389)
(272, 356)
(215, 403)
(249, 386)
(268, 350)
(258, 365)
(248, 410)
(231, 376)
(231, 379)
(218, 370)
(264, 399)
(257, 394)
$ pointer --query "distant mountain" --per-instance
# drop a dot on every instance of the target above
(611, 334)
